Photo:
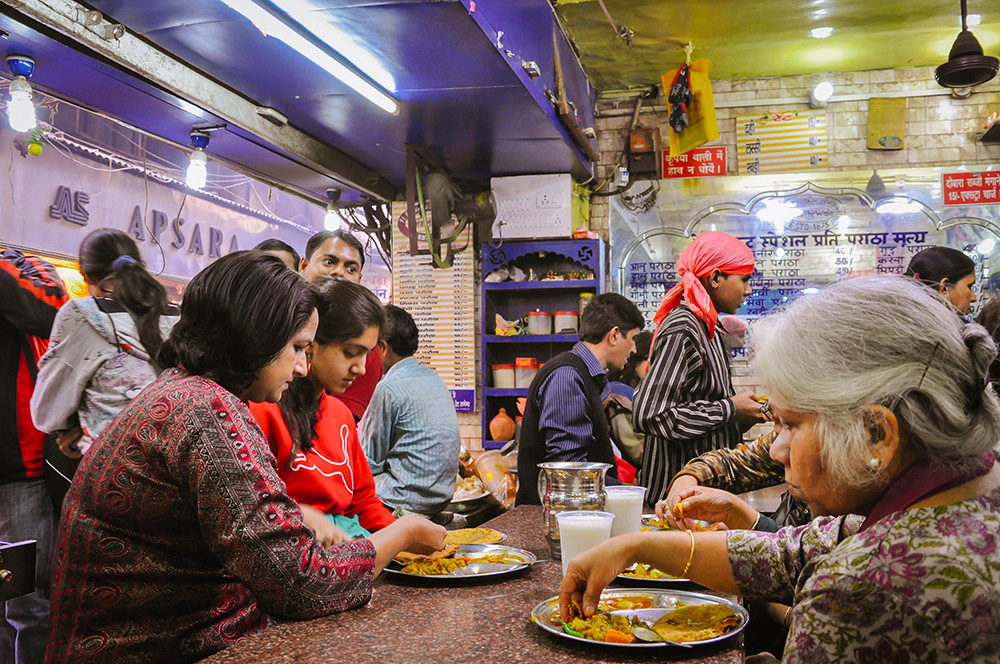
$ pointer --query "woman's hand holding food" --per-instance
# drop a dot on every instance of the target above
(716, 505)
(667, 509)
(591, 571)
(327, 534)
(412, 533)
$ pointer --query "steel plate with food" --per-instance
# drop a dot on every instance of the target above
(650, 522)
(648, 618)
(642, 572)
(468, 561)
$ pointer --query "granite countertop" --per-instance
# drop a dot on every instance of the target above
(446, 622)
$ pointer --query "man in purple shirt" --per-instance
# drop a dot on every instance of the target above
(564, 416)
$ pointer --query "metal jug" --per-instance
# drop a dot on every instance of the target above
(568, 485)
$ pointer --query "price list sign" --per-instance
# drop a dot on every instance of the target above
(788, 266)
(781, 142)
(442, 303)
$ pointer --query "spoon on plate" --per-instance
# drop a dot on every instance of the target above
(646, 634)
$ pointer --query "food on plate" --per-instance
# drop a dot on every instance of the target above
(642, 571)
(474, 536)
(696, 622)
(406, 557)
(653, 522)
(606, 627)
(626, 603)
(470, 488)
(429, 566)
(495, 558)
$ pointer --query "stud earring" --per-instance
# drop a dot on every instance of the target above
(875, 463)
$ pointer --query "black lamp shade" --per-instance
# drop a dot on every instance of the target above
(966, 66)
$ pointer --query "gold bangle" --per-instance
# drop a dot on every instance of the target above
(690, 557)
(755, 522)
(785, 619)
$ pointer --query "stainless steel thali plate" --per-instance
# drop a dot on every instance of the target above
(645, 579)
(650, 522)
(475, 569)
(650, 604)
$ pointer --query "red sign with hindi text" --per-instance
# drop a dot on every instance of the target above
(970, 188)
(696, 163)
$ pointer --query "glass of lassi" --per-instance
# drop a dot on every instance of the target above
(625, 502)
(581, 530)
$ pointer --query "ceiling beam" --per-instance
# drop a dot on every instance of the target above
(114, 42)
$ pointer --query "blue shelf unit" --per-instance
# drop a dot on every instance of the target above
(514, 299)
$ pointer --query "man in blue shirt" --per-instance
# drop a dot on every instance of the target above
(410, 430)
(564, 416)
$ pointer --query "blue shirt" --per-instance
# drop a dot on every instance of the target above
(410, 436)
(563, 417)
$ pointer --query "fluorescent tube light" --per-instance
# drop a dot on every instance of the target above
(274, 26)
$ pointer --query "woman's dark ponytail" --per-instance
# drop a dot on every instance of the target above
(104, 255)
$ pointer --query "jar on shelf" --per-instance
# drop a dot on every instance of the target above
(567, 322)
(525, 369)
(503, 376)
(585, 299)
(539, 322)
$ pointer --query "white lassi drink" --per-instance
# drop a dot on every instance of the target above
(581, 530)
(625, 502)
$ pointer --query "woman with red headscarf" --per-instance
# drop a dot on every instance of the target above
(686, 405)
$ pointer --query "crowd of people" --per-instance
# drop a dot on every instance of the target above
(263, 450)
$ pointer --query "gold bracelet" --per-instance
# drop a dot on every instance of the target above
(755, 522)
(690, 557)
(785, 619)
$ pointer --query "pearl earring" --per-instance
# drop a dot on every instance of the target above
(875, 463)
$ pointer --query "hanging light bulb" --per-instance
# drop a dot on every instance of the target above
(332, 221)
(197, 170)
(20, 110)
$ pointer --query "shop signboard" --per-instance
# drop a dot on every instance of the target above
(792, 141)
(975, 188)
(696, 163)
(442, 303)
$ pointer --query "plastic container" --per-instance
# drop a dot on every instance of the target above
(567, 322)
(503, 376)
(539, 322)
(585, 299)
(525, 369)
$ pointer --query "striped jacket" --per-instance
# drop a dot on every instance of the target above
(684, 404)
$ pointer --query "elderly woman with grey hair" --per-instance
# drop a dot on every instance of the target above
(886, 428)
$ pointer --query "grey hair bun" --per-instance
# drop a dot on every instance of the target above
(982, 350)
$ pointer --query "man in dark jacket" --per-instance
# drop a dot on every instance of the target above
(30, 294)
(564, 416)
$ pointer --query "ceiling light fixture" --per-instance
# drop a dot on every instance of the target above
(20, 110)
(820, 33)
(966, 66)
(331, 220)
(821, 94)
(284, 30)
(197, 170)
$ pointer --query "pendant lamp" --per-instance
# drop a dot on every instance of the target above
(966, 66)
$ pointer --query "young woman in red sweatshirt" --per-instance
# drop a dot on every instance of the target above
(313, 435)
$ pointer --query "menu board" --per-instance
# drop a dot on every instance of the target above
(442, 303)
(781, 142)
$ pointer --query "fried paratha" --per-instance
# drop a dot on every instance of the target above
(406, 557)
(696, 622)
(474, 536)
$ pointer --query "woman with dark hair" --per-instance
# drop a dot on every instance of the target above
(102, 348)
(947, 271)
(177, 537)
(313, 435)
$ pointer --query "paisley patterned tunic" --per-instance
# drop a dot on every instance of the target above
(918, 586)
(178, 538)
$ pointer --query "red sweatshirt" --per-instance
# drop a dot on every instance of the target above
(334, 475)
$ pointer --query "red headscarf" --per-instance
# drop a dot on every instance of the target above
(710, 251)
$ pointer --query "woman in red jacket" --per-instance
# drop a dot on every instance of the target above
(313, 435)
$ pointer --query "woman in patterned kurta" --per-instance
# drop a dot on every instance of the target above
(886, 427)
(177, 537)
